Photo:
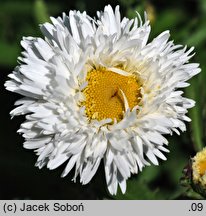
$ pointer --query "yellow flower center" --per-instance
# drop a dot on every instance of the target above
(199, 168)
(202, 167)
(105, 94)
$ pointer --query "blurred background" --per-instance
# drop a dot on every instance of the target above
(20, 179)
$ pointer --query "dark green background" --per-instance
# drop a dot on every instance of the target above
(19, 179)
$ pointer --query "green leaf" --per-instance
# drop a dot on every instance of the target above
(196, 114)
(167, 20)
(40, 11)
(198, 37)
(202, 7)
(150, 173)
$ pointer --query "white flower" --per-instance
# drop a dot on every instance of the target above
(96, 89)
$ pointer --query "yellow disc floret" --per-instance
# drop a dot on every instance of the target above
(104, 94)
(199, 168)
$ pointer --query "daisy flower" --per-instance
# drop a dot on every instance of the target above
(199, 170)
(95, 90)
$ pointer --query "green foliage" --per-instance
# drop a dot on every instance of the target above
(196, 115)
(40, 11)
(186, 21)
(18, 19)
(9, 54)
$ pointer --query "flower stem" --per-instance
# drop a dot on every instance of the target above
(195, 115)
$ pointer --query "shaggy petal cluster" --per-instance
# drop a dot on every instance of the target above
(52, 77)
